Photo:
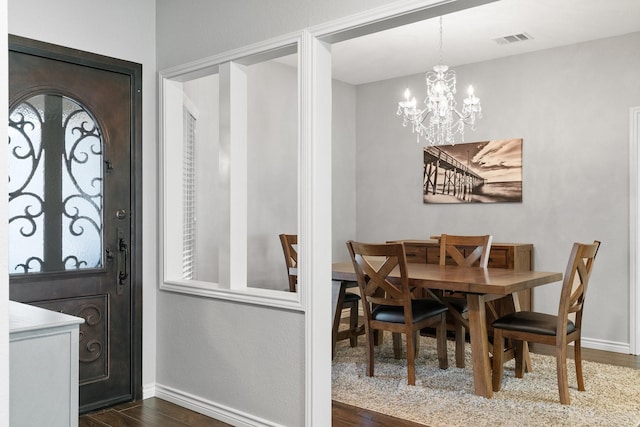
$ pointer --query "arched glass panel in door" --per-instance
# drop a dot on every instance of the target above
(55, 186)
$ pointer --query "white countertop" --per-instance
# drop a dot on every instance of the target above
(24, 317)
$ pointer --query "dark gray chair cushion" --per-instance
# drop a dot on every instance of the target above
(350, 297)
(529, 321)
(421, 309)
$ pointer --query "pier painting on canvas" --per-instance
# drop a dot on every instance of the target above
(476, 172)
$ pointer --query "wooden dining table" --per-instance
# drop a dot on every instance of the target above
(480, 285)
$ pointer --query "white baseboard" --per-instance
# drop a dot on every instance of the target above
(209, 408)
(615, 347)
(148, 390)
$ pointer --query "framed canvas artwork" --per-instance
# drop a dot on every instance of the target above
(475, 172)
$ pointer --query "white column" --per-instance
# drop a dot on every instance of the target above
(4, 275)
(315, 226)
(233, 176)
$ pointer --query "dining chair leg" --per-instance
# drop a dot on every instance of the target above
(353, 324)
(338, 291)
(460, 341)
(397, 345)
(441, 342)
(333, 345)
(411, 362)
(378, 337)
(369, 335)
(498, 352)
(518, 349)
(578, 360)
(563, 382)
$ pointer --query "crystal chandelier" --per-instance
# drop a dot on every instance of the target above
(440, 121)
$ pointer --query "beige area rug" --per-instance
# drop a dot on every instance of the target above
(446, 398)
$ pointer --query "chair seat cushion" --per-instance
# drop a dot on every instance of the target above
(460, 304)
(529, 321)
(421, 310)
(351, 297)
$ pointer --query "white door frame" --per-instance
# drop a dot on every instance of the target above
(634, 230)
(4, 273)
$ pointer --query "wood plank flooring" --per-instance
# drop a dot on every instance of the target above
(156, 412)
(151, 412)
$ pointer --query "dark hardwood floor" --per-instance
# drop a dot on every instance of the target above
(156, 412)
(151, 412)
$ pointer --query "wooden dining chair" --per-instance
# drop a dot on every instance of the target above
(389, 304)
(463, 251)
(289, 243)
(351, 301)
(557, 330)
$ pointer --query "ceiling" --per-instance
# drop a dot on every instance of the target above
(468, 36)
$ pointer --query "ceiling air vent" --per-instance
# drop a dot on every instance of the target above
(513, 38)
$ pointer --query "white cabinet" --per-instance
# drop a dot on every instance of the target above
(43, 373)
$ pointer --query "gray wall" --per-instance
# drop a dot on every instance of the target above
(272, 169)
(571, 107)
(214, 349)
(247, 358)
(343, 172)
(272, 185)
(187, 31)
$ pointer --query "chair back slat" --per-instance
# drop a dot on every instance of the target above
(575, 283)
(289, 243)
(466, 251)
(373, 263)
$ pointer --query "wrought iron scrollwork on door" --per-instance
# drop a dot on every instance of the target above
(55, 186)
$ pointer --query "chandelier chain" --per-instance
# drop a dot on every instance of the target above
(441, 61)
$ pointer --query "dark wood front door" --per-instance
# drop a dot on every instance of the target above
(74, 130)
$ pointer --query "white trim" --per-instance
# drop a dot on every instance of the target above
(612, 346)
(388, 16)
(148, 391)
(248, 295)
(262, 51)
(4, 270)
(315, 226)
(634, 237)
(210, 409)
(233, 288)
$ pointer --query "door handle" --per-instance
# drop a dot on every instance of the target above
(122, 269)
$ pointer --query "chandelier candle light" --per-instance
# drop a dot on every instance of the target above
(440, 121)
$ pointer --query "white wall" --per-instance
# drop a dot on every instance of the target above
(4, 275)
(571, 107)
(124, 30)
